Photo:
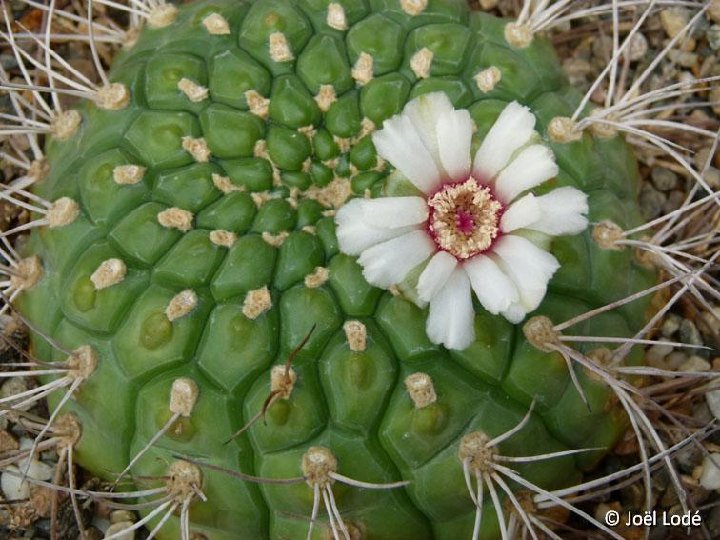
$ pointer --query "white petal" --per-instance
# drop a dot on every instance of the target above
(454, 135)
(515, 313)
(355, 235)
(435, 275)
(493, 288)
(425, 113)
(531, 167)
(520, 214)
(528, 266)
(394, 212)
(388, 263)
(562, 211)
(400, 144)
(450, 321)
(511, 131)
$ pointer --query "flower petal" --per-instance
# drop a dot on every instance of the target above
(355, 234)
(511, 131)
(528, 266)
(562, 211)
(454, 135)
(400, 144)
(520, 214)
(531, 167)
(425, 112)
(388, 263)
(451, 317)
(394, 212)
(515, 313)
(435, 275)
(493, 288)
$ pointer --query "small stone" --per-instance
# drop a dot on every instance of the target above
(663, 179)
(673, 20)
(487, 5)
(682, 58)
(119, 527)
(713, 37)
(670, 325)
(713, 400)
(710, 476)
(695, 364)
(651, 202)
(638, 47)
(657, 353)
(714, 98)
(674, 360)
(689, 333)
(712, 177)
(674, 201)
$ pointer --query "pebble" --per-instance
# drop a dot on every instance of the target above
(675, 359)
(638, 47)
(670, 325)
(710, 476)
(651, 202)
(713, 37)
(695, 363)
(689, 333)
(712, 177)
(683, 58)
(658, 352)
(119, 527)
(663, 179)
(714, 97)
(14, 386)
(674, 201)
(713, 400)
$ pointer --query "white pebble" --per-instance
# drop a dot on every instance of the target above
(710, 476)
(13, 486)
(713, 401)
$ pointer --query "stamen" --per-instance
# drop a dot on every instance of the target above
(464, 218)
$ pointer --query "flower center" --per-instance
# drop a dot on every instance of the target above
(464, 218)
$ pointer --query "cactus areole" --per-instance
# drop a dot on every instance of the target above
(381, 170)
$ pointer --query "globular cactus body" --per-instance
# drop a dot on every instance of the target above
(205, 249)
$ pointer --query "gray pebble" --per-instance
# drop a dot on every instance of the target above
(670, 325)
(651, 202)
(663, 179)
(689, 333)
(713, 37)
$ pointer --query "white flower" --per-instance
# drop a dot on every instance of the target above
(465, 225)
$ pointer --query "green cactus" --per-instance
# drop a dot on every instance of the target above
(204, 249)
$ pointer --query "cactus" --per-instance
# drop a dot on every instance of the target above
(190, 248)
